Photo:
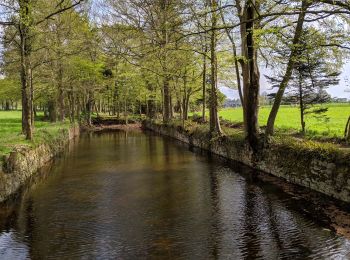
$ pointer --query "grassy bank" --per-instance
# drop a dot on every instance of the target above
(301, 145)
(11, 136)
(288, 119)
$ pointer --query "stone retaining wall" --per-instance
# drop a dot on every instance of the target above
(328, 174)
(19, 166)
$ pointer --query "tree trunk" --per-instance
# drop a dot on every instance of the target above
(71, 105)
(171, 106)
(288, 73)
(163, 44)
(125, 112)
(24, 32)
(347, 131)
(204, 85)
(251, 76)
(88, 113)
(78, 109)
(184, 99)
(166, 100)
(187, 102)
(31, 98)
(215, 128)
(301, 104)
(140, 108)
(60, 92)
(7, 105)
(52, 110)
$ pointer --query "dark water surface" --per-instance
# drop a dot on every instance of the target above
(121, 195)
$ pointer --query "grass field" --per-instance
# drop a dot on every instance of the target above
(289, 119)
(10, 131)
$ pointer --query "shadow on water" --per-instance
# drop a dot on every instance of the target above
(131, 195)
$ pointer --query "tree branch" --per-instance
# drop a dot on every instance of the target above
(60, 11)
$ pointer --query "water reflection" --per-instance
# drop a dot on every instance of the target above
(129, 195)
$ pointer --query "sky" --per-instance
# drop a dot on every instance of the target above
(338, 91)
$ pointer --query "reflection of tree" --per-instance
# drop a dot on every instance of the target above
(263, 234)
(166, 152)
(29, 228)
(249, 227)
(214, 239)
(152, 148)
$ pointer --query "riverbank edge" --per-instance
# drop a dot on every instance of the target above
(324, 173)
(23, 162)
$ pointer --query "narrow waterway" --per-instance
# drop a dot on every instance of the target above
(136, 195)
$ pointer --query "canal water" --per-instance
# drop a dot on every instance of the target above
(135, 195)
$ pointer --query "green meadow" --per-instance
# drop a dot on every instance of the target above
(11, 136)
(288, 119)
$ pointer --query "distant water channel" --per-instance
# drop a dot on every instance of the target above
(135, 195)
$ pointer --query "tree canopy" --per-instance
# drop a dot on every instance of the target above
(164, 58)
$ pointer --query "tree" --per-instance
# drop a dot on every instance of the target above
(308, 88)
(315, 69)
(250, 69)
(25, 20)
(321, 11)
(347, 130)
(214, 123)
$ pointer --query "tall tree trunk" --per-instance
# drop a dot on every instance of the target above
(171, 106)
(251, 75)
(7, 105)
(116, 93)
(347, 130)
(125, 111)
(60, 92)
(214, 117)
(288, 73)
(52, 110)
(71, 101)
(25, 51)
(32, 114)
(166, 100)
(72, 110)
(89, 108)
(78, 110)
(184, 108)
(187, 103)
(301, 105)
(204, 85)
(150, 101)
(164, 45)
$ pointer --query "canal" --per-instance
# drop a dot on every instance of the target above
(134, 195)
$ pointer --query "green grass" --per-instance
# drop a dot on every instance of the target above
(288, 119)
(302, 147)
(11, 136)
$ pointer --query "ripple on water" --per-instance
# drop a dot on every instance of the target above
(136, 196)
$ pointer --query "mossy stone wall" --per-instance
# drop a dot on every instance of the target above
(22, 163)
(328, 174)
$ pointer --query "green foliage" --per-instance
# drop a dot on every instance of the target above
(9, 89)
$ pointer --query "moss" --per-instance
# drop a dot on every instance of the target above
(302, 148)
(309, 149)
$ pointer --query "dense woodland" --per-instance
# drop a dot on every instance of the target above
(164, 58)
